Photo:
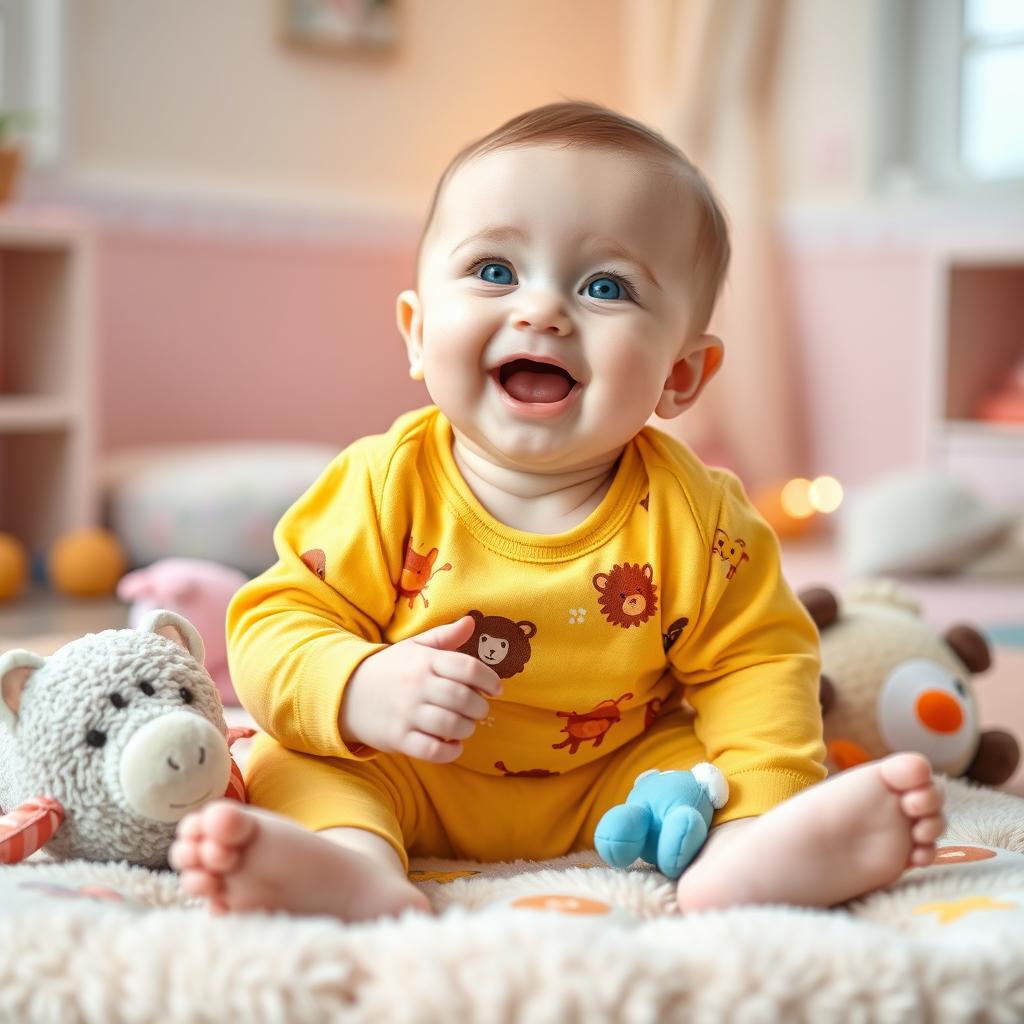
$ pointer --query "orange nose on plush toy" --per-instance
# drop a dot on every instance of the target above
(939, 712)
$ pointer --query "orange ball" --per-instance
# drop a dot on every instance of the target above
(86, 563)
(13, 566)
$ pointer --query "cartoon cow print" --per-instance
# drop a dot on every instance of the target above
(628, 594)
(733, 552)
(500, 643)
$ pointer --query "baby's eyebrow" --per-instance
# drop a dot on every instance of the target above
(494, 233)
(616, 250)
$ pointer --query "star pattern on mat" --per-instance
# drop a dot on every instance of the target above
(949, 911)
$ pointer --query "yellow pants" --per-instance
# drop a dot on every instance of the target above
(429, 810)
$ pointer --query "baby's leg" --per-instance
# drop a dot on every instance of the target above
(244, 858)
(286, 851)
(840, 839)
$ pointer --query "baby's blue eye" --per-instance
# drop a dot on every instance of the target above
(605, 288)
(496, 273)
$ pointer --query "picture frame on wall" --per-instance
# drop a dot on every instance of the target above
(340, 25)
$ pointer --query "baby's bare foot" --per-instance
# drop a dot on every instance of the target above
(845, 837)
(242, 858)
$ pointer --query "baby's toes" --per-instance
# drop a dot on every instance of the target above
(183, 853)
(226, 823)
(201, 884)
(921, 856)
(927, 830)
(218, 857)
(190, 827)
(906, 771)
(921, 803)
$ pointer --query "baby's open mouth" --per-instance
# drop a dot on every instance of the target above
(529, 381)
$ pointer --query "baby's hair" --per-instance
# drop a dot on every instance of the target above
(584, 124)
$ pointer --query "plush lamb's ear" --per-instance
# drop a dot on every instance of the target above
(713, 783)
(175, 627)
(16, 667)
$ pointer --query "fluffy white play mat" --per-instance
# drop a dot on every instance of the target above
(560, 941)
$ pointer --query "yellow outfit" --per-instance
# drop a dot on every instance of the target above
(670, 588)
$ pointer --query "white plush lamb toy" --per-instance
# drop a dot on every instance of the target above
(106, 744)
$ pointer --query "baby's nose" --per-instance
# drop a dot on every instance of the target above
(543, 313)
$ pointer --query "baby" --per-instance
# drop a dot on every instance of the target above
(484, 624)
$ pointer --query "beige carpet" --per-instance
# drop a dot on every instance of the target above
(946, 943)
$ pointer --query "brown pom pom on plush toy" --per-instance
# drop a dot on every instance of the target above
(891, 682)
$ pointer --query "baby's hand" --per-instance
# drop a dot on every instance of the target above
(420, 697)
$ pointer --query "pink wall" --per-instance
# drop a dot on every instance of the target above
(861, 321)
(223, 339)
(220, 338)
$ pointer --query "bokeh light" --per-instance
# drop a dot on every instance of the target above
(796, 498)
(825, 494)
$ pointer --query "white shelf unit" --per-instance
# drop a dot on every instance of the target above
(47, 412)
(977, 334)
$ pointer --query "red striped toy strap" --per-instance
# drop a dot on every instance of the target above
(29, 827)
(239, 732)
(236, 785)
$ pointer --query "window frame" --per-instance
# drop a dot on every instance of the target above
(33, 42)
(922, 46)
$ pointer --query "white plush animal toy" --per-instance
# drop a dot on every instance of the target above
(890, 681)
(107, 743)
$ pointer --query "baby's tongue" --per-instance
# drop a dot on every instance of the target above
(527, 381)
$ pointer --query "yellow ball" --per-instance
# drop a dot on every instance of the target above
(13, 566)
(86, 563)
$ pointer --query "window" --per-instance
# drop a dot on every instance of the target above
(992, 89)
(951, 105)
(31, 54)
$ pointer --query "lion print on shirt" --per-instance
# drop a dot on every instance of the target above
(628, 594)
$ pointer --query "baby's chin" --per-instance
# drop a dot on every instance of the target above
(527, 449)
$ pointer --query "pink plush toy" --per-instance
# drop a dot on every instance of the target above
(197, 589)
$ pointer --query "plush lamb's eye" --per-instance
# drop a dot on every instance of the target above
(147, 689)
(95, 738)
(118, 701)
(186, 694)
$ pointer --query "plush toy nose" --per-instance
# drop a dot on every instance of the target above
(939, 711)
(173, 764)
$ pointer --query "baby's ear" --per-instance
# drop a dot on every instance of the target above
(16, 668)
(410, 323)
(174, 627)
(689, 375)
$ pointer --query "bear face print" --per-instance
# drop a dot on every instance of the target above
(500, 643)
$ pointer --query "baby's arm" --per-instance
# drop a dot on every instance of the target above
(752, 669)
(310, 629)
(420, 697)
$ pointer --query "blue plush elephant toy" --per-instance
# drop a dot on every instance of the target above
(665, 819)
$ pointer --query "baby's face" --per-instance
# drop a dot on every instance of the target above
(553, 302)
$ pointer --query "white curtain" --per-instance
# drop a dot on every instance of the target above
(703, 72)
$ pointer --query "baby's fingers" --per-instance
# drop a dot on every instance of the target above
(464, 668)
(446, 725)
(462, 700)
(430, 748)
